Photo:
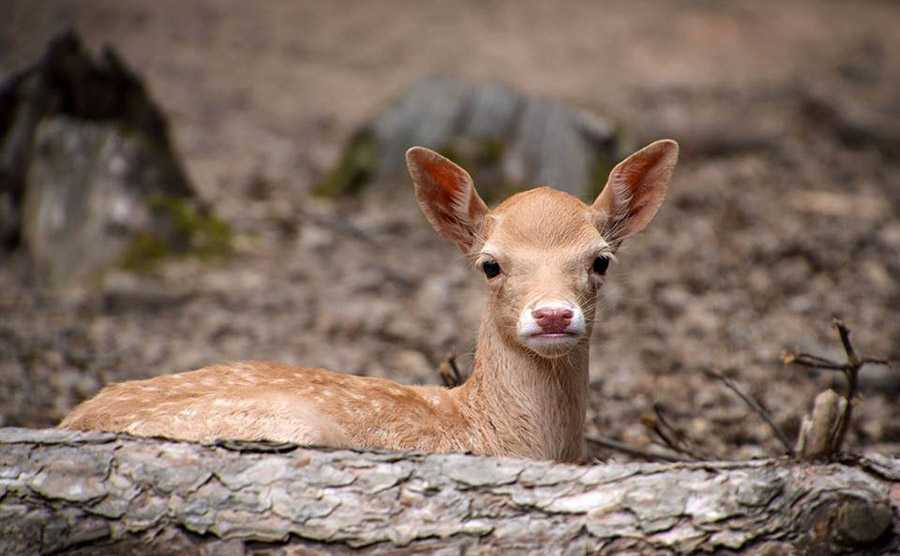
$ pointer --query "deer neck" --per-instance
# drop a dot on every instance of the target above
(517, 402)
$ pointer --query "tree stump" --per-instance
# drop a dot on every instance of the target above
(88, 176)
(509, 141)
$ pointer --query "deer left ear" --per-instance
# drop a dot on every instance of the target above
(634, 191)
(447, 196)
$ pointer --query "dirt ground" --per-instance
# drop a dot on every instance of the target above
(778, 217)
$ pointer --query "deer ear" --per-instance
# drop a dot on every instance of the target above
(447, 196)
(634, 191)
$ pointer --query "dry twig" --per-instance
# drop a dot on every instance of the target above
(850, 369)
(635, 452)
(451, 376)
(670, 436)
(756, 407)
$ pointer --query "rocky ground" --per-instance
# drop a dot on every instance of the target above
(784, 211)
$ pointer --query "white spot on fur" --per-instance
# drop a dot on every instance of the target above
(529, 330)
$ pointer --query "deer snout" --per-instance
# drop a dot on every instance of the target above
(550, 328)
(553, 320)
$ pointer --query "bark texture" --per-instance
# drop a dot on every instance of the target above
(105, 494)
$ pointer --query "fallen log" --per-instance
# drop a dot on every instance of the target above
(100, 493)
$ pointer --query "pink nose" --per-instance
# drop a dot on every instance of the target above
(552, 321)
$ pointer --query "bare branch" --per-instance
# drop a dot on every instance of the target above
(812, 361)
(757, 408)
(671, 437)
(634, 452)
(450, 373)
(844, 333)
(851, 371)
(878, 361)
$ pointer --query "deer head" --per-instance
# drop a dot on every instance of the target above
(544, 253)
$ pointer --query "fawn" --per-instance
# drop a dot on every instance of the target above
(544, 254)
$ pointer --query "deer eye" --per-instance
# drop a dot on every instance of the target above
(600, 265)
(490, 268)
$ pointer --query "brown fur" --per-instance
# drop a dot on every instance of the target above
(517, 401)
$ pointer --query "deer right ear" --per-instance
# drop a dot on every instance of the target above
(635, 190)
(447, 196)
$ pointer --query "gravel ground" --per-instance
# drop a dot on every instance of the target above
(781, 213)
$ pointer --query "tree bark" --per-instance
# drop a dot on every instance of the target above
(62, 491)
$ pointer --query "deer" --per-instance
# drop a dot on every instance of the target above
(544, 255)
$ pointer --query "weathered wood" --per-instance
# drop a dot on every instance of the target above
(102, 493)
(89, 178)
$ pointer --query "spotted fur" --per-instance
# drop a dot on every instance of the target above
(521, 400)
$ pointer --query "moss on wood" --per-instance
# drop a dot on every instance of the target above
(358, 165)
(191, 231)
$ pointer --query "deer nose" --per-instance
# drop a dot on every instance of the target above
(552, 320)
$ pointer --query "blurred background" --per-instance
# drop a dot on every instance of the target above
(784, 210)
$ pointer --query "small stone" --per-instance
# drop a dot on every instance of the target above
(890, 235)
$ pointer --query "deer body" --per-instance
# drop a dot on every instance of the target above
(544, 254)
